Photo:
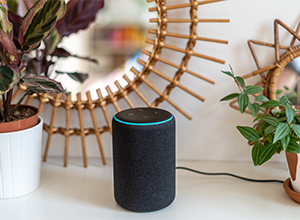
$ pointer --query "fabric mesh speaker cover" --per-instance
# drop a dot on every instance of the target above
(144, 159)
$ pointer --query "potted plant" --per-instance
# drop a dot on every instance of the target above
(276, 126)
(78, 16)
(20, 150)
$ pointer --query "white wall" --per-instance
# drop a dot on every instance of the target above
(211, 134)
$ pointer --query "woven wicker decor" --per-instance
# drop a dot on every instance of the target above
(282, 56)
(160, 34)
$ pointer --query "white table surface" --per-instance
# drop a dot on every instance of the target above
(76, 192)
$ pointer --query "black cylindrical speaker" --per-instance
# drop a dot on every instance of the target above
(144, 159)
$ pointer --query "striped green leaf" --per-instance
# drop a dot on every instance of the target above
(253, 108)
(271, 120)
(243, 100)
(256, 153)
(293, 147)
(249, 133)
(261, 98)
(296, 129)
(284, 100)
(282, 130)
(261, 128)
(282, 119)
(289, 112)
(241, 81)
(253, 89)
(285, 142)
(229, 97)
(227, 73)
(260, 116)
(267, 153)
(38, 22)
(268, 130)
(270, 104)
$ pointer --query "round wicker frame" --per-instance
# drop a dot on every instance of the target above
(271, 85)
(159, 43)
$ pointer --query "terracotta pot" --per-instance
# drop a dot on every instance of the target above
(294, 170)
(21, 124)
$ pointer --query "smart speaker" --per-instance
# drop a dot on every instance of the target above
(144, 158)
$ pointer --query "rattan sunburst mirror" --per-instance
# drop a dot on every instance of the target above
(159, 45)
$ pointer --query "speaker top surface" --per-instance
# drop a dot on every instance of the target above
(143, 116)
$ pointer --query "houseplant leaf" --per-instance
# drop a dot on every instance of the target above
(256, 153)
(230, 96)
(296, 129)
(268, 130)
(275, 111)
(228, 73)
(5, 24)
(241, 81)
(8, 78)
(41, 84)
(79, 14)
(260, 116)
(261, 98)
(253, 108)
(285, 142)
(243, 100)
(249, 133)
(62, 53)
(271, 120)
(38, 22)
(16, 21)
(13, 5)
(261, 128)
(293, 147)
(289, 112)
(284, 100)
(270, 104)
(8, 50)
(282, 130)
(253, 89)
(79, 77)
(267, 153)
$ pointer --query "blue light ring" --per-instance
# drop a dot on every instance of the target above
(143, 124)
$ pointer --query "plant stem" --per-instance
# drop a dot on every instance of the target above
(238, 85)
(235, 80)
(1, 113)
(264, 111)
(18, 103)
(4, 107)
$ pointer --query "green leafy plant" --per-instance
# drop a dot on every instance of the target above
(35, 26)
(277, 123)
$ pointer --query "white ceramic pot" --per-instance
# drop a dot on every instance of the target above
(20, 161)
